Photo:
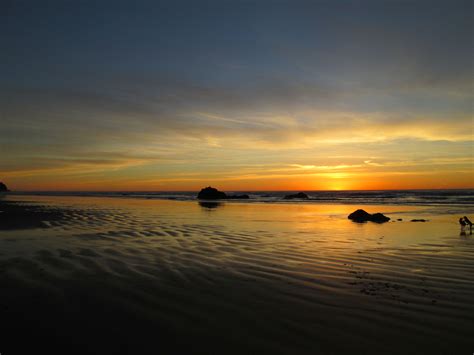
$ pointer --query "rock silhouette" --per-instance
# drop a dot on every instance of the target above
(300, 195)
(3, 187)
(210, 193)
(362, 216)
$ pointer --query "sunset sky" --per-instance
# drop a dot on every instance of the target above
(241, 95)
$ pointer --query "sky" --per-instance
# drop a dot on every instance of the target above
(241, 95)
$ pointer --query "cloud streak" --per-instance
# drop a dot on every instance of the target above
(297, 89)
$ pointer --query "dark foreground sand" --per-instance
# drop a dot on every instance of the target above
(124, 276)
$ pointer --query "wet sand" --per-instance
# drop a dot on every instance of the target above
(117, 276)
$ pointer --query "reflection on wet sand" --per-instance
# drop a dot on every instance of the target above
(210, 205)
(134, 276)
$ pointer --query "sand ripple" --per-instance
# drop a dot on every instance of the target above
(110, 279)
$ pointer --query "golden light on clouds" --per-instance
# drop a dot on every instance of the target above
(257, 104)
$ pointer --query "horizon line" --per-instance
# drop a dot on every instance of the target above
(197, 190)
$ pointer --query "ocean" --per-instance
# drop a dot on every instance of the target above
(391, 197)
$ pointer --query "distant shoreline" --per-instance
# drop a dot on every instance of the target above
(449, 197)
(196, 191)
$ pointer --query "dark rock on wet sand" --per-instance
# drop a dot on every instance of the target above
(362, 216)
(300, 195)
(3, 187)
(419, 220)
(210, 193)
(379, 218)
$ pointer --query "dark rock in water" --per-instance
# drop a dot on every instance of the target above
(239, 197)
(300, 195)
(419, 220)
(210, 193)
(362, 216)
(3, 187)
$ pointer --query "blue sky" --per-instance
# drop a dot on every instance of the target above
(243, 94)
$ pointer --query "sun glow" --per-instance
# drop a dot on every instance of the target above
(337, 181)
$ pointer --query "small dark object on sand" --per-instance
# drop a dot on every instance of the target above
(467, 222)
(399, 219)
(3, 187)
(361, 216)
(300, 195)
(210, 193)
(379, 218)
(419, 220)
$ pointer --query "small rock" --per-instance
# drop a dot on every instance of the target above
(362, 216)
(379, 218)
(299, 195)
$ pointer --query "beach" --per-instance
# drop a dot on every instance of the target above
(113, 275)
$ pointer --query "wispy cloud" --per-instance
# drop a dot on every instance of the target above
(298, 91)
